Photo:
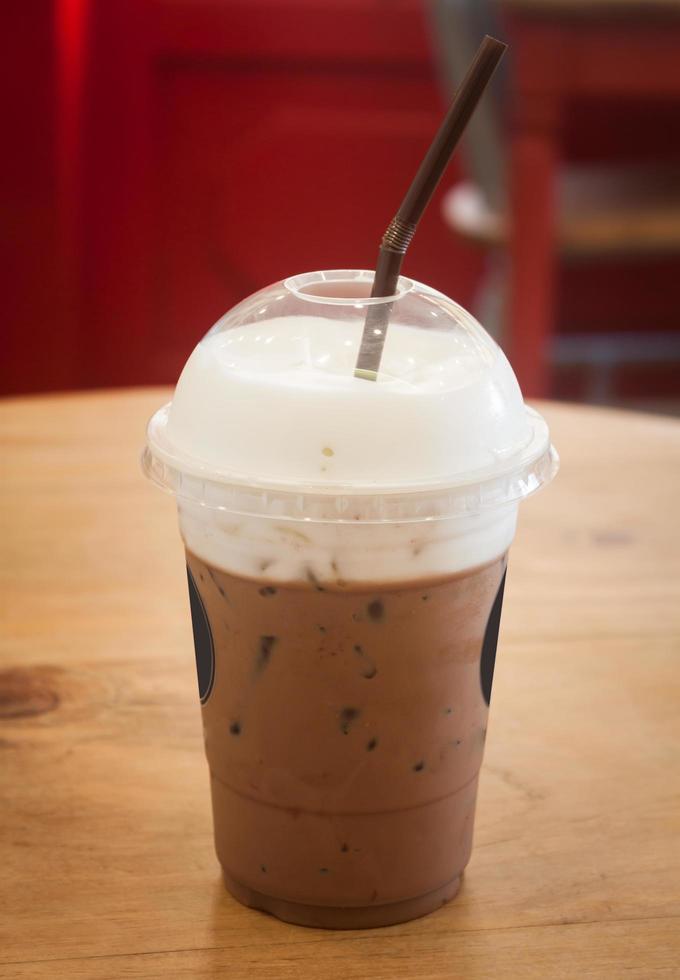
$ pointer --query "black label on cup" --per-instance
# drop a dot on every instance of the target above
(203, 641)
(488, 659)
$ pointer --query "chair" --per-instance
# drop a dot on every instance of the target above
(602, 212)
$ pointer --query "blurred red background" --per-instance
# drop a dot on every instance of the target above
(172, 157)
(168, 157)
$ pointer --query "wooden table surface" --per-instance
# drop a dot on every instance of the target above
(106, 853)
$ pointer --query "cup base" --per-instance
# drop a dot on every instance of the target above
(331, 917)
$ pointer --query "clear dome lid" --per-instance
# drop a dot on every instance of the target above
(269, 418)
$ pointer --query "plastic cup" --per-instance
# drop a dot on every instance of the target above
(346, 548)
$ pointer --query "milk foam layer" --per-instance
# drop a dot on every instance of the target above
(277, 400)
(331, 554)
(287, 467)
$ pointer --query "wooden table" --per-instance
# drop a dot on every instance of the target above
(564, 50)
(107, 861)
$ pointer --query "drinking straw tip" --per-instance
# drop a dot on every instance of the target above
(401, 229)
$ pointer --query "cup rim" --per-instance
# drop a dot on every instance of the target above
(299, 283)
(192, 482)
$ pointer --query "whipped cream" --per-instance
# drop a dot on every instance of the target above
(278, 401)
(267, 412)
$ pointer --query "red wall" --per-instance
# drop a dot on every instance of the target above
(164, 158)
(175, 155)
(30, 276)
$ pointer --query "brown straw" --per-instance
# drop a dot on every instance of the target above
(402, 228)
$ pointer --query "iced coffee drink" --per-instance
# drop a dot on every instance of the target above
(346, 547)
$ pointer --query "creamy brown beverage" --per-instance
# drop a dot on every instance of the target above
(344, 733)
(346, 551)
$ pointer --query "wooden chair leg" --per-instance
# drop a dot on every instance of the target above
(533, 253)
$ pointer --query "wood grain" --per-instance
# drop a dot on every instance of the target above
(105, 831)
